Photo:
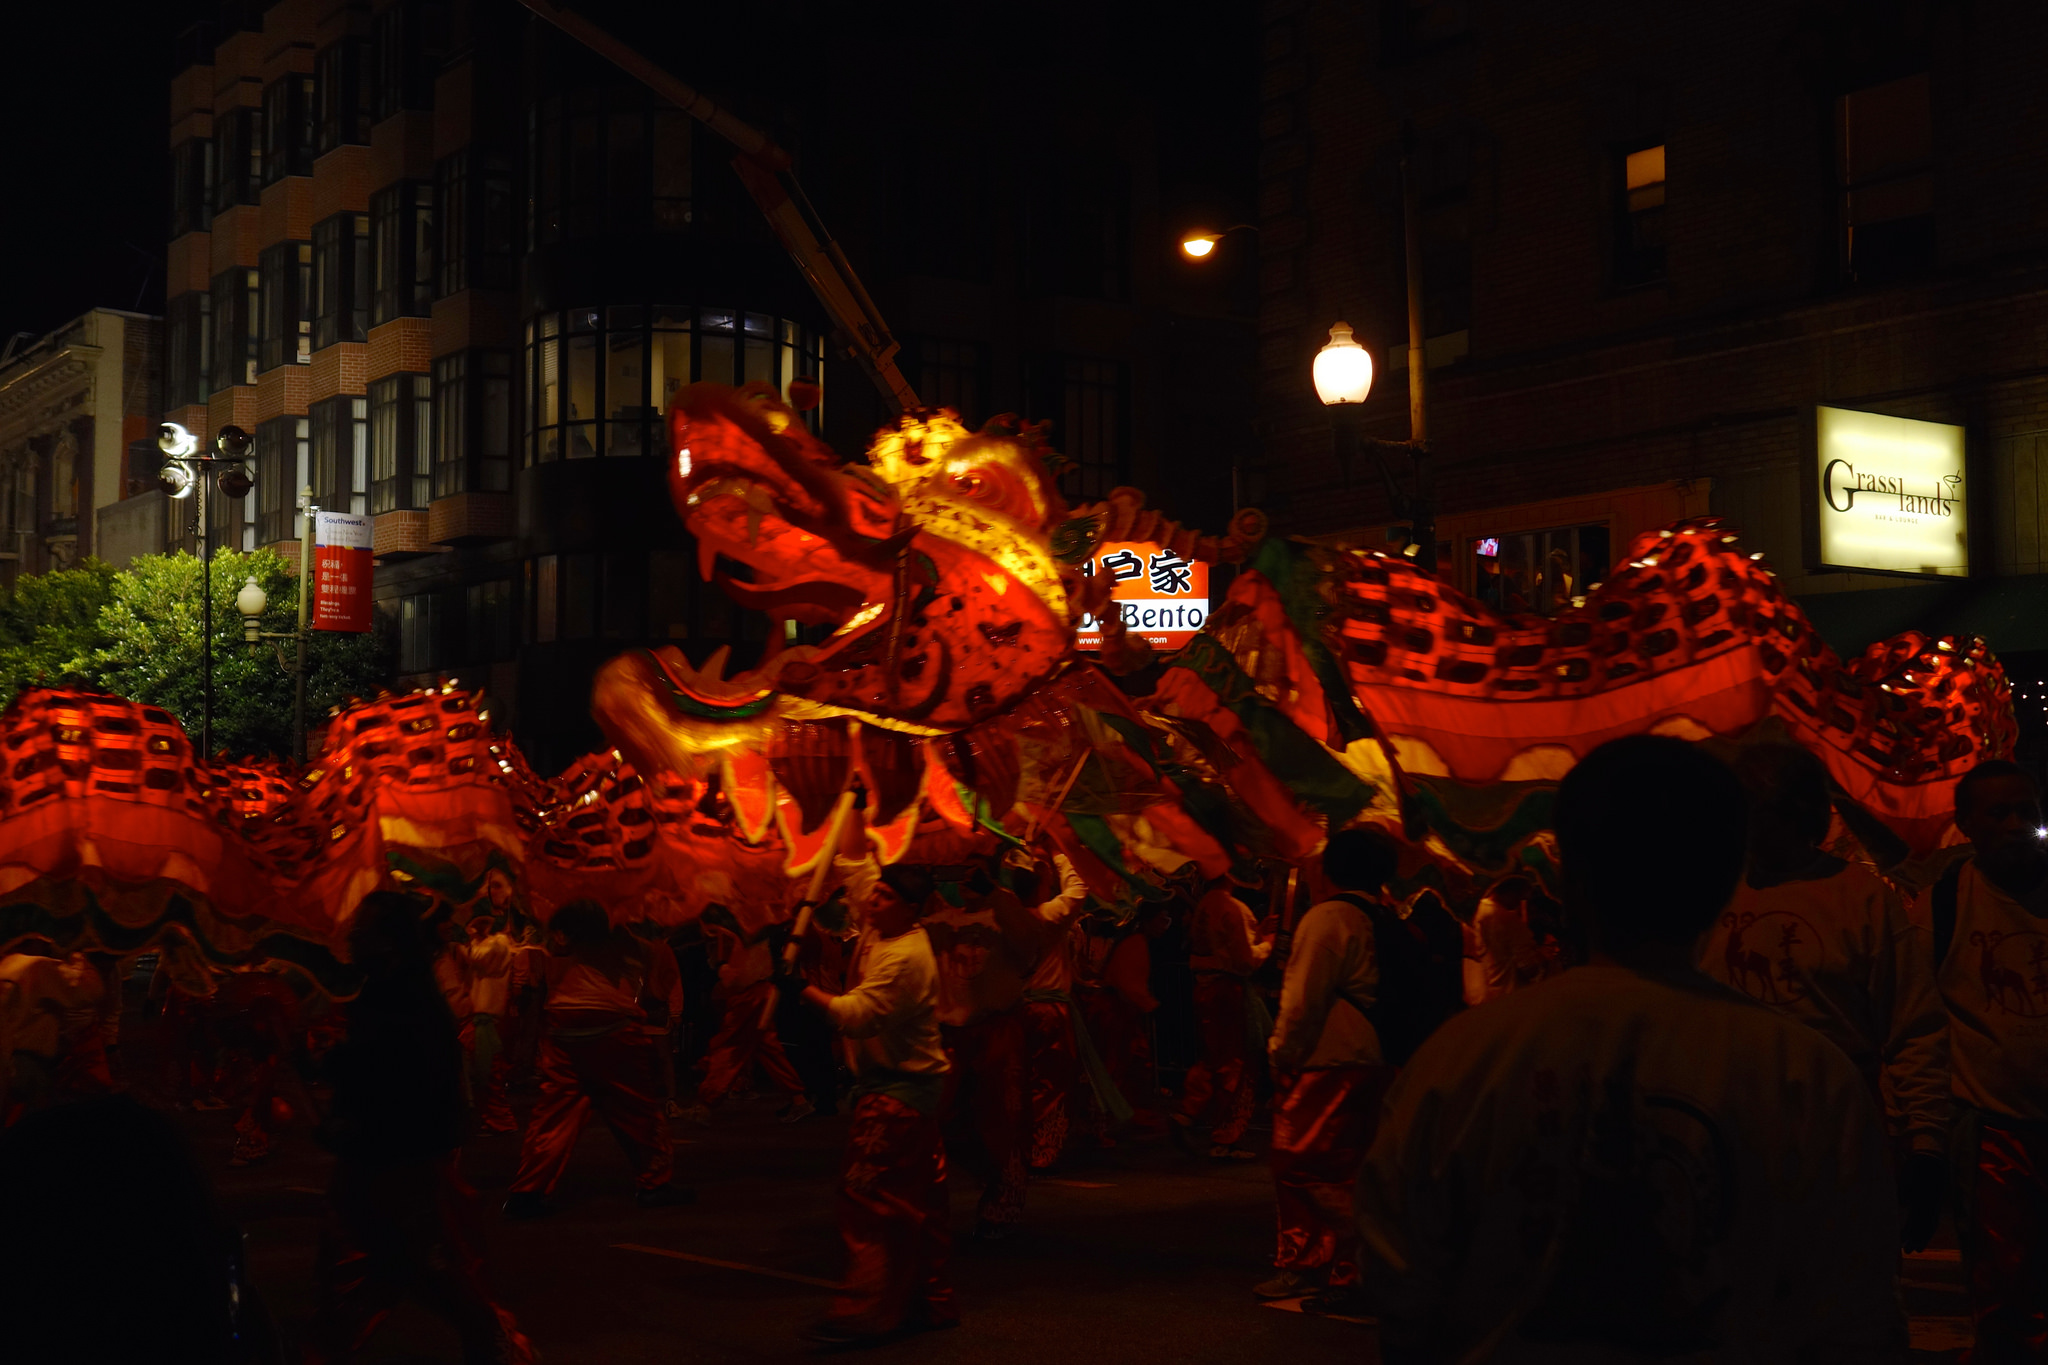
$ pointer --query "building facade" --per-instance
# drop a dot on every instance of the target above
(78, 415)
(449, 269)
(1655, 240)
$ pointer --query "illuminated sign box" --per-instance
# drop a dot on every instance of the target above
(1887, 495)
(1162, 597)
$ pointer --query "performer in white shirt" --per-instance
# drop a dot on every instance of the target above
(1630, 1161)
(1329, 1076)
(1989, 919)
(1827, 943)
(892, 1193)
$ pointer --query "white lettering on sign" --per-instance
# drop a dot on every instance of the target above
(1890, 494)
(1161, 597)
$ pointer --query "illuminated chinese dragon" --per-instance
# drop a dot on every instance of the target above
(946, 713)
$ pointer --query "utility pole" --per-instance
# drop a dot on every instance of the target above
(305, 615)
(205, 624)
(1422, 502)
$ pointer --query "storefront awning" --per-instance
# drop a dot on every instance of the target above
(2010, 613)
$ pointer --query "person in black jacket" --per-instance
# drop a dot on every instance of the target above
(400, 1215)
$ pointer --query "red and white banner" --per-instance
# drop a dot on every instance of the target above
(342, 567)
(1162, 597)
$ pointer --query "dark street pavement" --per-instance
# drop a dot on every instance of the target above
(1138, 1254)
(1142, 1254)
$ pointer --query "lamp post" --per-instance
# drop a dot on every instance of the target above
(1342, 383)
(252, 601)
(185, 469)
(1198, 244)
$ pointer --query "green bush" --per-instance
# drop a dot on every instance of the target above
(136, 632)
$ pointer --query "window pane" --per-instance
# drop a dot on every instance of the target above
(668, 368)
(494, 423)
(421, 452)
(625, 356)
(581, 392)
(384, 435)
(449, 448)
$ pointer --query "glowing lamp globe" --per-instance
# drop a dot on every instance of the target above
(1197, 245)
(1343, 370)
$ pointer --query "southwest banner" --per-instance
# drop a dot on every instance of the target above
(341, 572)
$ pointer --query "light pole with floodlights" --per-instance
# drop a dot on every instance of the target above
(185, 469)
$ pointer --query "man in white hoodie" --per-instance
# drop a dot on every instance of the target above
(1329, 1076)
(1630, 1162)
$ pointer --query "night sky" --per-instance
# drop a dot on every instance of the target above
(83, 221)
(87, 91)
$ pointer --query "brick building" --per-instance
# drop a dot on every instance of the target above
(449, 269)
(1655, 239)
(78, 414)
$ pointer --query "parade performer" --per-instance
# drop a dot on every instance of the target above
(401, 1218)
(661, 999)
(46, 1006)
(1828, 943)
(1989, 917)
(1329, 1075)
(529, 987)
(488, 966)
(1224, 950)
(892, 1193)
(747, 1033)
(594, 1056)
(1113, 995)
(1630, 1162)
(985, 947)
(255, 1018)
(1052, 1056)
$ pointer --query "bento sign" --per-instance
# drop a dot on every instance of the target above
(1162, 597)
(1889, 494)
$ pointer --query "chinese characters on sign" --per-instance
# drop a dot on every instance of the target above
(341, 572)
(1163, 598)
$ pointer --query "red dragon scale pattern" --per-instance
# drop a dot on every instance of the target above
(1331, 688)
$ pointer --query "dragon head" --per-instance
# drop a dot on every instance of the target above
(932, 565)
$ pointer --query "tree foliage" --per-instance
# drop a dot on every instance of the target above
(49, 620)
(140, 637)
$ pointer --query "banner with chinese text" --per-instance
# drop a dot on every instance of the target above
(341, 572)
(1163, 598)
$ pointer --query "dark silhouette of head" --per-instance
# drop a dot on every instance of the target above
(912, 884)
(1788, 793)
(1360, 860)
(1650, 832)
(583, 925)
(390, 932)
(1998, 809)
(113, 1251)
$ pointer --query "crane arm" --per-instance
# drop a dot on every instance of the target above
(765, 169)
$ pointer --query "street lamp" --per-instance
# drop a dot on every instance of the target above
(1343, 369)
(1198, 244)
(1343, 376)
(252, 602)
(184, 472)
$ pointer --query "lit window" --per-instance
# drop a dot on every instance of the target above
(1639, 231)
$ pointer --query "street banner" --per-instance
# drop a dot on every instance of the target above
(341, 572)
(1162, 597)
